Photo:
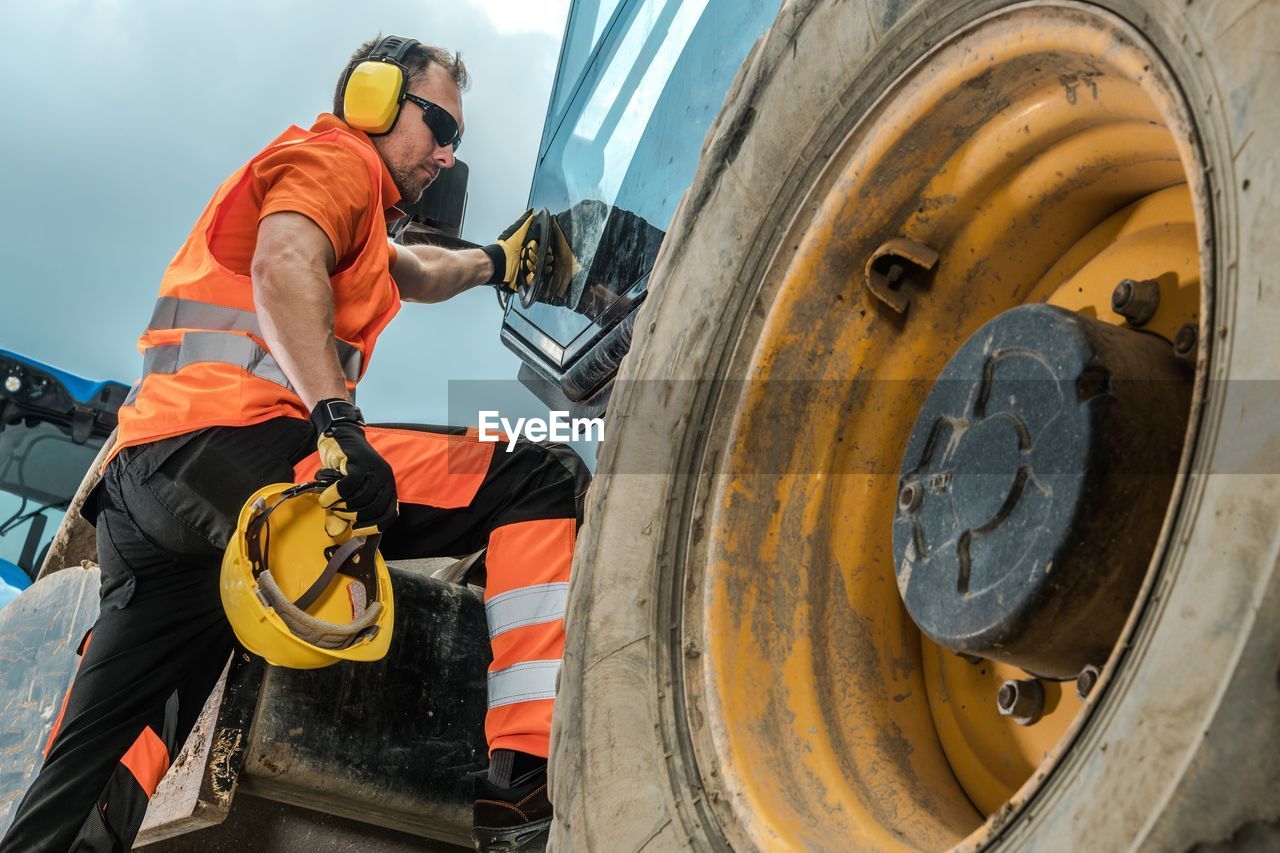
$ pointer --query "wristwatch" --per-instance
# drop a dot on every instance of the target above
(332, 411)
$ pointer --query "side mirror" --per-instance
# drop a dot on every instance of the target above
(442, 207)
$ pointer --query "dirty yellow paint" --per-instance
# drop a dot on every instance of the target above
(991, 755)
(1040, 157)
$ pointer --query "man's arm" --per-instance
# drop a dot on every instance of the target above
(434, 274)
(294, 301)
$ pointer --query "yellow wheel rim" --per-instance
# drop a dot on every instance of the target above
(1044, 155)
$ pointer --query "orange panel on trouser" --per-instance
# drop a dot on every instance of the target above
(529, 552)
(524, 727)
(57, 724)
(521, 555)
(147, 760)
(532, 642)
(432, 469)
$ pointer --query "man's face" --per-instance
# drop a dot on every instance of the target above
(410, 150)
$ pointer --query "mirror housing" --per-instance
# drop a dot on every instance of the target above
(442, 206)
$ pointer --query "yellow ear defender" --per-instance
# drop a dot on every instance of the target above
(374, 87)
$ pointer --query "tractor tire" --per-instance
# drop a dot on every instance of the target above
(1179, 750)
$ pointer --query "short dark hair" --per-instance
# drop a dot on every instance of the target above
(418, 60)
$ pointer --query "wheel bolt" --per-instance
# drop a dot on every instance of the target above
(1136, 301)
(1086, 681)
(909, 497)
(1021, 700)
(1184, 343)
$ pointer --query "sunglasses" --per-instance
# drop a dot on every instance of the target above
(436, 117)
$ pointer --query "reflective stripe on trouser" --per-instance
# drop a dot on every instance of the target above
(528, 605)
(458, 495)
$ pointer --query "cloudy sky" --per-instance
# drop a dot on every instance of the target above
(123, 116)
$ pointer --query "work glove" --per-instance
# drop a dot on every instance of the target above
(515, 258)
(515, 254)
(362, 494)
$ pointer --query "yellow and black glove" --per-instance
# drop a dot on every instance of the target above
(515, 254)
(515, 257)
(362, 494)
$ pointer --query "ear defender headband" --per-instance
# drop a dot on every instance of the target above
(374, 87)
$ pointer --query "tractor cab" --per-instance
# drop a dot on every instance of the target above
(52, 425)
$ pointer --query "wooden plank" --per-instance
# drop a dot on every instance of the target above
(197, 791)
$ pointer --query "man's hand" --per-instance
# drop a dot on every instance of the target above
(364, 496)
(513, 255)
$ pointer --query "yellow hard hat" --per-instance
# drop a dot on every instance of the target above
(298, 597)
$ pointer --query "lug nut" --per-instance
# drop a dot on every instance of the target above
(1086, 681)
(1184, 343)
(1136, 301)
(909, 497)
(1022, 700)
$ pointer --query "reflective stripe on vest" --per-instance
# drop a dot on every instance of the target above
(173, 312)
(523, 682)
(530, 605)
(219, 347)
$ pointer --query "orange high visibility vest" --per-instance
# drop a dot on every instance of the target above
(205, 362)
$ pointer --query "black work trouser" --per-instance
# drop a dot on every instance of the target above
(164, 515)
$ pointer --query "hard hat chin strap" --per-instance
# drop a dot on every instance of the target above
(336, 562)
(318, 632)
(257, 533)
(345, 558)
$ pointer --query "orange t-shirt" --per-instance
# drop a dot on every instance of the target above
(327, 183)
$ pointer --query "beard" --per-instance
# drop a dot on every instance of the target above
(408, 183)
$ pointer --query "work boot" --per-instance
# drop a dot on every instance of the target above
(512, 811)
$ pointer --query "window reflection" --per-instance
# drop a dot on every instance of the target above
(624, 248)
(628, 143)
(623, 100)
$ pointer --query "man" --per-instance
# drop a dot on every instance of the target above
(267, 317)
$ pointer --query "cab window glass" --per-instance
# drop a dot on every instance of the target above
(26, 531)
(40, 471)
(628, 145)
(587, 24)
